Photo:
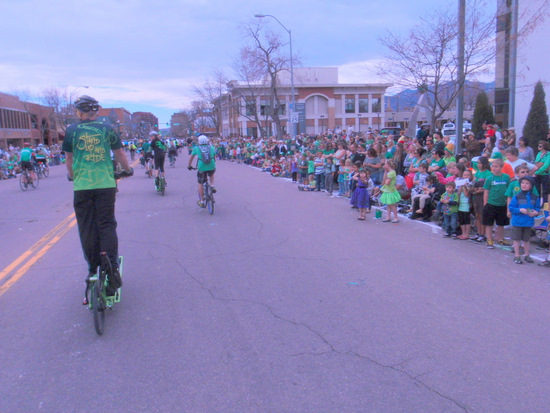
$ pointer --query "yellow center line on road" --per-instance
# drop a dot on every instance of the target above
(35, 247)
(7, 285)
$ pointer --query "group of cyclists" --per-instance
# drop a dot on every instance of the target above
(86, 144)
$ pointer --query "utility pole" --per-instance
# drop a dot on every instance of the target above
(461, 80)
(513, 62)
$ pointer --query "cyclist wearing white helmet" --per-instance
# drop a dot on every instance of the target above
(206, 165)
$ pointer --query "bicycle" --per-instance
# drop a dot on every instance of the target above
(27, 179)
(42, 170)
(149, 167)
(161, 187)
(95, 296)
(208, 201)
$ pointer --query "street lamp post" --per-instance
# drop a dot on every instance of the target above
(293, 108)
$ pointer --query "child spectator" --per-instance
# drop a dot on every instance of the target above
(361, 198)
(480, 176)
(524, 207)
(294, 168)
(343, 178)
(464, 205)
(514, 187)
(276, 169)
(494, 200)
(390, 196)
(312, 185)
(302, 166)
(320, 171)
(330, 168)
(355, 167)
(427, 192)
(449, 200)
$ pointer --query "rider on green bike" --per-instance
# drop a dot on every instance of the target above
(206, 165)
(87, 146)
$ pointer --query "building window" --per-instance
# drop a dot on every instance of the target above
(265, 108)
(376, 105)
(250, 108)
(34, 122)
(350, 105)
(364, 105)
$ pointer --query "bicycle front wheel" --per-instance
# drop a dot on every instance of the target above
(23, 182)
(210, 201)
(98, 307)
(46, 172)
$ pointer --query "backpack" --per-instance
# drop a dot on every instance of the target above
(205, 154)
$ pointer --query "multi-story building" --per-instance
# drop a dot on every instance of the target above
(120, 117)
(146, 118)
(22, 121)
(321, 103)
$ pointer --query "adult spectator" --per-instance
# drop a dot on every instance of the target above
(422, 134)
(512, 158)
(472, 146)
(354, 155)
(525, 151)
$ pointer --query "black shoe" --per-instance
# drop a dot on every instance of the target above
(114, 283)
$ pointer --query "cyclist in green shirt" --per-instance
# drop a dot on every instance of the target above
(87, 146)
(206, 165)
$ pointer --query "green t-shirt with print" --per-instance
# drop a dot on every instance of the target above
(91, 143)
(497, 186)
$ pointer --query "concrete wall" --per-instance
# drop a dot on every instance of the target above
(533, 62)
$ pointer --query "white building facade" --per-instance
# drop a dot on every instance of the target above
(322, 104)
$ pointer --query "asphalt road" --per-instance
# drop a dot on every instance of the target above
(282, 301)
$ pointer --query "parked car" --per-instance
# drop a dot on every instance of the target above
(391, 131)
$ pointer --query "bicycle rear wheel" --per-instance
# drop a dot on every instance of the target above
(23, 182)
(46, 171)
(35, 181)
(98, 307)
(162, 185)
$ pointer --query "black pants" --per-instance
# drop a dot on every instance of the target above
(95, 215)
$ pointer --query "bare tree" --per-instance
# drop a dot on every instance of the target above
(61, 103)
(209, 95)
(259, 66)
(426, 57)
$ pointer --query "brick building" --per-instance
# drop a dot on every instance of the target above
(321, 102)
(22, 121)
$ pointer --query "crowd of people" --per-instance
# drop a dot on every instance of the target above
(474, 191)
(491, 178)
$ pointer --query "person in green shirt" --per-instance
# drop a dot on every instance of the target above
(206, 165)
(495, 208)
(542, 171)
(87, 146)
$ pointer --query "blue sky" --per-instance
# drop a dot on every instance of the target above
(145, 55)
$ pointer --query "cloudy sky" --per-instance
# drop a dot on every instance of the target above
(147, 55)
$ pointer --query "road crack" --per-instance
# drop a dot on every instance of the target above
(397, 367)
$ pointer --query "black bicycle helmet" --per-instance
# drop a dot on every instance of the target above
(86, 104)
